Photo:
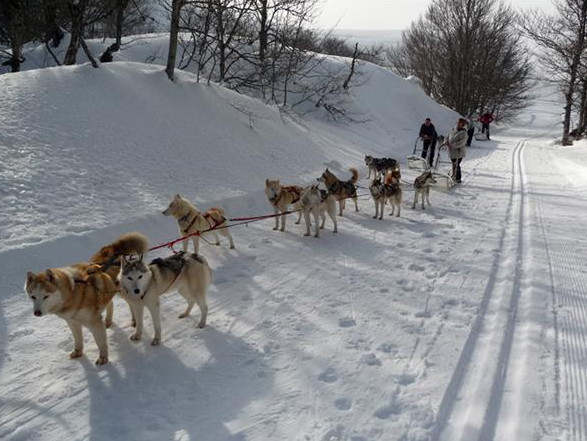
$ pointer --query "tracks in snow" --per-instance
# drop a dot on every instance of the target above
(471, 407)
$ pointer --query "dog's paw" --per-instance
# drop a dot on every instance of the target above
(76, 353)
(232, 247)
(136, 336)
(335, 231)
(183, 315)
(275, 228)
(316, 235)
(155, 342)
(306, 234)
(101, 360)
(297, 222)
(201, 325)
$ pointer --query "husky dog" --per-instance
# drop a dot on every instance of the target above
(190, 220)
(422, 187)
(108, 259)
(77, 296)
(318, 202)
(142, 284)
(380, 166)
(388, 191)
(281, 196)
(341, 190)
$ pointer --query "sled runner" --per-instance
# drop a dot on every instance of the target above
(443, 179)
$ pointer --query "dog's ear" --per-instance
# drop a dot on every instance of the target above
(267, 182)
(50, 276)
(177, 196)
(30, 276)
(140, 257)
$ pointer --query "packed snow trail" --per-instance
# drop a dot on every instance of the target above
(522, 373)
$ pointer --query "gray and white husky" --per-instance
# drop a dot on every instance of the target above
(422, 187)
(382, 192)
(318, 202)
(142, 284)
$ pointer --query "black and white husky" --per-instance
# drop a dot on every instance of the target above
(142, 284)
(318, 202)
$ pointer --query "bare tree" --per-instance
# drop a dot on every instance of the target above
(467, 55)
(563, 43)
(19, 23)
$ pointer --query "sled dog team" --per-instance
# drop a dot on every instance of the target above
(81, 292)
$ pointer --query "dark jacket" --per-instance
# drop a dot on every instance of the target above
(427, 132)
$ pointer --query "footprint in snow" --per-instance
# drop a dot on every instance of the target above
(343, 403)
(405, 379)
(416, 267)
(407, 285)
(346, 322)
(386, 347)
(387, 411)
(328, 376)
(370, 359)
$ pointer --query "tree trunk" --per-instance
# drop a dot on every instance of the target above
(583, 111)
(88, 53)
(347, 82)
(76, 13)
(173, 35)
(16, 58)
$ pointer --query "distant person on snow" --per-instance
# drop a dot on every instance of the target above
(486, 119)
(429, 136)
(457, 148)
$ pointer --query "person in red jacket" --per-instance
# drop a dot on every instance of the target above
(485, 120)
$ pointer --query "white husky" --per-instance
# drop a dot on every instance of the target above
(142, 284)
(318, 202)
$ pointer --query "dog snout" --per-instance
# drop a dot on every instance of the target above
(137, 291)
(38, 313)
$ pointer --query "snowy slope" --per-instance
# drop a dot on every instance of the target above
(423, 327)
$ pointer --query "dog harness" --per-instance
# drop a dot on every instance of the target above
(291, 188)
(213, 224)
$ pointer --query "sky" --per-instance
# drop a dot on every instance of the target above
(387, 14)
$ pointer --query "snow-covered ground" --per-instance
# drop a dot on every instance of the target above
(466, 321)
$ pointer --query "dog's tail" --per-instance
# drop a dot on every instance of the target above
(130, 243)
(355, 177)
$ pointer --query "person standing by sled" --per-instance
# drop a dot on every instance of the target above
(429, 137)
(485, 119)
(457, 147)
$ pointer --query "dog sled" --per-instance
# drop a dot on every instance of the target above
(443, 179)
(415, 160)
(479, 136)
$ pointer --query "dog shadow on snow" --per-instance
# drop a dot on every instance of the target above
(157, 396)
